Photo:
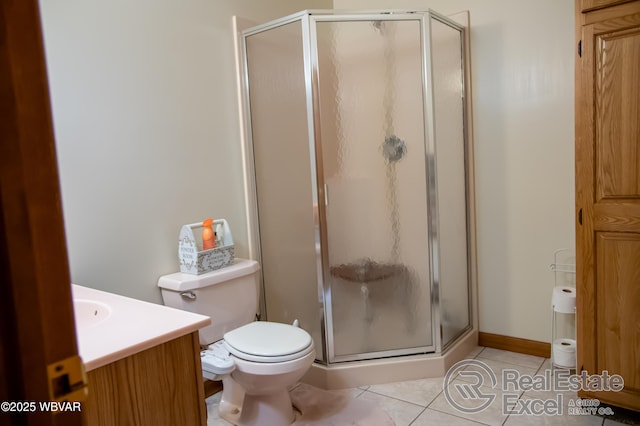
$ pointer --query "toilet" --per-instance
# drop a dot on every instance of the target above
(257, 361)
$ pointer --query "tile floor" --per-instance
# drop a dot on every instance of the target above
(422, 402)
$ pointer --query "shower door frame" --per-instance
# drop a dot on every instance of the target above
(423, 20)
(308, 21)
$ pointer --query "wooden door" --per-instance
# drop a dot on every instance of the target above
(37, 334)
(608, 198)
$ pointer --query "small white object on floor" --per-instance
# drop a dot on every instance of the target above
(323, 408)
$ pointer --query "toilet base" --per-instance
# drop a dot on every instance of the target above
(230, 407)
(256, 393)
(243, 409)
(273, 409)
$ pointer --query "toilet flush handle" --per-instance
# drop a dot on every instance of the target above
(188, 295)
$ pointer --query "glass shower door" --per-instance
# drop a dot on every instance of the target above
(447, 74)
(285, 178)
(373, 162)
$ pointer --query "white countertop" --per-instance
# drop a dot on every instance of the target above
(131, 327)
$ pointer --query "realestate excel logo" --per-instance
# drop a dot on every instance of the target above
(468, 397)
(477, 390)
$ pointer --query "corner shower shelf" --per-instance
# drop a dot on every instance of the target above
(367, 271)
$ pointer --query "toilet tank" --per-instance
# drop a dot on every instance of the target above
(229, 296)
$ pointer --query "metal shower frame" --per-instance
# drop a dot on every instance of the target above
(308, 19)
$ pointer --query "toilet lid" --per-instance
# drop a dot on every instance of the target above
(268, 339)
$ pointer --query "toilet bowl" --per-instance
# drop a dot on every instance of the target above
(257, 361)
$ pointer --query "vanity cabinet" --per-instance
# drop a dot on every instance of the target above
(608, 194)
(160, 386)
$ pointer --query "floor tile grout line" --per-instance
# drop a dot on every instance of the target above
(436, 397)
(360, 393)
(456, 416)
(393, 397)
(540, 367)
(516, 353)
(511, 363)
(428, 407)
(509, 415)
(432, 400)
(416, 417)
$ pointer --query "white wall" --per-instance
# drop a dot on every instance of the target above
(146, 125)
(522, 76)
(147, 130)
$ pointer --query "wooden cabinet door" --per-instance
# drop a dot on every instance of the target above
(608, 200)
(587, 5)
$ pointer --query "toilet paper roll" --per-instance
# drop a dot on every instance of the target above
(564, 353)
(564, 299)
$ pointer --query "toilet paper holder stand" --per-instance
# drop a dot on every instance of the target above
(563, 349)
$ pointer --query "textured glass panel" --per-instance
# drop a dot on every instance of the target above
(446, 60)
(373, 153)
(284, 181)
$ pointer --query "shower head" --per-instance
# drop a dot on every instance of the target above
(378, 25)
(393, 148)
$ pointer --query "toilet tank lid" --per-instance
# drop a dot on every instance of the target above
(180, 281)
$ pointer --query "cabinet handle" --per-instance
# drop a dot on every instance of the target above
(580, 216)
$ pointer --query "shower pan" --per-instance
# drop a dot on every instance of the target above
(358, 179)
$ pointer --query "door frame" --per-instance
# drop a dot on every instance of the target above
(36, 306)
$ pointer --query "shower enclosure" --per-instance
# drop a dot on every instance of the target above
(359, 206)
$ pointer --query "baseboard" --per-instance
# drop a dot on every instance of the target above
(514, 344)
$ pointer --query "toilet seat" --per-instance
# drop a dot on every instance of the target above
(268, 342)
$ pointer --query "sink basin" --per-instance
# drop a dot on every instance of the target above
(90, 312)
(110, 327)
